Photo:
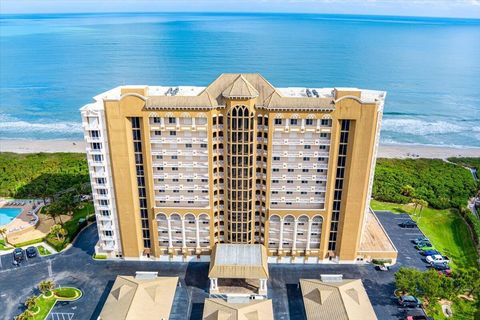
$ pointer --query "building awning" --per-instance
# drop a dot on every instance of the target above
(239, 261)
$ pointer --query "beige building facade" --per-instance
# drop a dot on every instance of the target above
(176, 170)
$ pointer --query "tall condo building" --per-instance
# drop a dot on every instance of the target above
(176, 170)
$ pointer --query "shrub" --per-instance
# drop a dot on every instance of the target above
(26, 243)
(100, 256)
(381, 261)
(443, 185)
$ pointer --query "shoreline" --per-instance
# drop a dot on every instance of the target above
(400, 151)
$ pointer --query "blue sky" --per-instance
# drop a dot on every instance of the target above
(433, 8)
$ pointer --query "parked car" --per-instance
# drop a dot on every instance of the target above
(425, 246)
(427, 253)
(416, 314)
(18, 254)
(440, 266)
(408, 224)
(382, 268)
(437, 258)
(31, 252)
(420, 239)
(409, 302)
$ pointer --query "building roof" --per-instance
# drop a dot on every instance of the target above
(240, 88)
(240, 261)
(339, 300)
(218, 309)
(238, 85)
(132, 298)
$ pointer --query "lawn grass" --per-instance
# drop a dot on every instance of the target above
(3, 246)
(446, 230)
(43, 251)
(44, 305)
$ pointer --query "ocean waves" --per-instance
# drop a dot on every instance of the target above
(14, 128)
(451, 132)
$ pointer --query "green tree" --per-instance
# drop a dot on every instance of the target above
(406, 280)
(46, 286)
(67, 202)
(55, 210)
(3, 232)
(430, 284)
(408, 191)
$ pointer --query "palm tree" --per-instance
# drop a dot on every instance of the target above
(46, 286)
(415, 205)
(68, 203)
(23, 316)
(422, 203)
(3, 232)
(58, 231)
(55, 210)
(31, 302)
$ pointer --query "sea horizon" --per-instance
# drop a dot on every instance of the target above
(58, 62)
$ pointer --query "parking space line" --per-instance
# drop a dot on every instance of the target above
(62, 316)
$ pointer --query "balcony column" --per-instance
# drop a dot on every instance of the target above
(162, 122)
(280, 245)
(295, 226)
(308, 233)
(197, 231)
(169, 228)
(184, 240)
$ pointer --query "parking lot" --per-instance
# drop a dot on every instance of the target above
(75, 267)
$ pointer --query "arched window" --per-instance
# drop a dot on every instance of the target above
(176, 227)
(162, 227)
(204, 230)
(288, 228)
(302, 232)
(316, 232)
(190, 230)
(274, 232)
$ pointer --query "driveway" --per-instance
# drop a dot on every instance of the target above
(75, 267)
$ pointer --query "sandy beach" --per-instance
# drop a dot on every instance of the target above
(385, 150)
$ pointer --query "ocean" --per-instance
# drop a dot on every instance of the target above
(51, 65)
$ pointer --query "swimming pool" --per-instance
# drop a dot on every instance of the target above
(8, 214)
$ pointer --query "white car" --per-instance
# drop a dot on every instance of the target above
(437, 259)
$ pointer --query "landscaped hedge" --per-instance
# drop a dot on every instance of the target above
(26, 243)
(443, 185)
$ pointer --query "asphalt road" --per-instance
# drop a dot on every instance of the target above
(75, 267)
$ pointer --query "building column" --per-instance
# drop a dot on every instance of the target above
(184, 240)
(308, 233)
(295, 226)
(197, 231)
(162, 122)
(169, 227)
(280, 245)
(263, 286)
(213, 284)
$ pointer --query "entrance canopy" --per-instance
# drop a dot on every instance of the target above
(239, 261)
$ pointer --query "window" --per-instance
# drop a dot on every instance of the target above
(326, 122)
(309, 122)
(156, 120)
(171, 120)
(276, 158)
(307, 147)
(276, 170)
(323, 135)
(203, 145)
(306, 159)
(96, 146)
(95, 134)
(323, 147)
(189, 180)
(158, 133)
(97, 157)
(290, 170)
(188, 145)
(293, 122)
(173, 133)
(278, 121)
(304, 170)
(175, 180)
(174, 157)
(174, 169)
(289, 181)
